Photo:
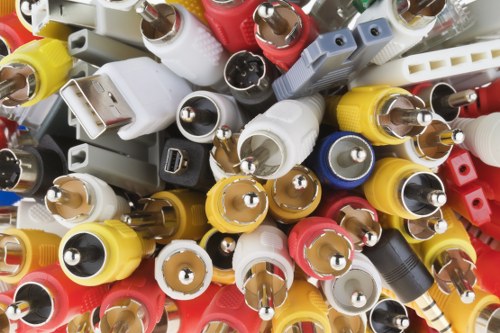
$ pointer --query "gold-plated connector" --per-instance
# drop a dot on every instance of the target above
(225, 152)
(126, 315)
(344, 323)
(361, 225)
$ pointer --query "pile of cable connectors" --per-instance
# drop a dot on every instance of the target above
(249, 166)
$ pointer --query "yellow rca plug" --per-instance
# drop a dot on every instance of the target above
(169, 215)
(195, 7)
(480, 316)
(33, 72)
(418, 230)
(93, 253)
(220, 247)
(384, 115)
(402, 188)
(341, 322)
(304, 310)
(294, 196)
(25, 250)
(236, 204)
(7, 7)
(451, 258)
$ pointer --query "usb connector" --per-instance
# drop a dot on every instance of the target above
(176, 161)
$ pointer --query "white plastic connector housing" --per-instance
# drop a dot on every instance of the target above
(482, 136)
(150, 91)
(431, 66)
(363, 278)
(105, 204)
(225, 108)
(33, 215)
(124, 5)
(404, 37)
(194, 53)
(265, 244)
(175, 247)
(115, 20)
(290, 127)
(217, 171)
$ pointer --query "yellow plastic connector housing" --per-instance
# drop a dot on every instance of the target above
(236, 204)
(189, 207)
(124, 249)
(304, 304)
(383, 188)
(33, 248)
(357, 112)
(50, 61)
(221, 276)
(195, 7)
(7, 7)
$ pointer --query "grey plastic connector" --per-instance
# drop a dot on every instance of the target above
(99, 50)
(332, 58)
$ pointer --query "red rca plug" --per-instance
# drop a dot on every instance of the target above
(487, 267)
(47, 299)
(283, 31)
(135, 304)
(6, 325)
(228, 312)
(487, 101)
(189, 313)
(13, 34)
(355, 215)
(321, 248)
(232, 24)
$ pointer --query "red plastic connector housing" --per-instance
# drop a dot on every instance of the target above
(487, 101)
(489, 179)
(233, 25)
(304, 233)
(285, 57)
(470, 201)
(13, 33)
(332, 203)
(228, 306)
(141, 287)
(69, 298)
(190, 312)
(459, 168)
(487, 267)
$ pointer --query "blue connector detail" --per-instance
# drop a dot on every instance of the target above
(343, 160)
(329, 61)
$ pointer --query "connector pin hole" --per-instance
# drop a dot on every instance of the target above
(464, 170)
(477, 203)
(339, 41)
(375, 32)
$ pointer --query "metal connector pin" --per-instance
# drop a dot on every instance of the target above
(225, 152)
(8, 87)
(190, 114)
(361, 225)
(425, 228)
(18, 310)
(427, 195)
(451, 137)
(8, 216)
(355, 155)
(277, 23)
(62, 196)
(85, 322)
(411, 117)
(124, 316)
(461, 98)
(388, 316)
(161, 22)
(358, 299)
(433, 314)
(250, 164)
(272, 17)
(455, 268)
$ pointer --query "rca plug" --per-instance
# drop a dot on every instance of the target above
(7, 7)
(321, 248)
(486, 264)
(343, 160)
(138, 95)
(195, 7)
(184, 44)
(228, 312)
(480, 137)
(224, 160)
(388, 316)
(340, 322)
(407, 276)
(236, 204)
(34, 72)
(24, 251)
(7, 325)
(250, 77)
(304, 310)
(357, 291)
(12, 34)
(133, 305)
(232, 24)
(382, 114)
(431, 148)
(79, 197)
(451, 258)
(86, 322)
(263, 269)
(274, 142)
(480, 316)
(183, 270)
(418, 230)
(355, 215)
(444, 100)
(169, 215)
(201, 113)
(410, 23)
(91, 254)
(185, 163)
(46, 299)
(220, 247)
(486, 102)
(293, 196)
(283, 31)
(402, 188)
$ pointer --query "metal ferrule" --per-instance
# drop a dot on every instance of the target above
(437, 140)
(361, 225)
(18, 84)
(29, 298)
(161, 22)
(296, 190)
(425, 228)
(416, 14)
(350, 158)
(422, 194)
(433, 314)
(124, 315)
(8, 216)
(84, 323)
(19, 170)
(388, 316)
(225, 151)
(12, 255)
(488, 320)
